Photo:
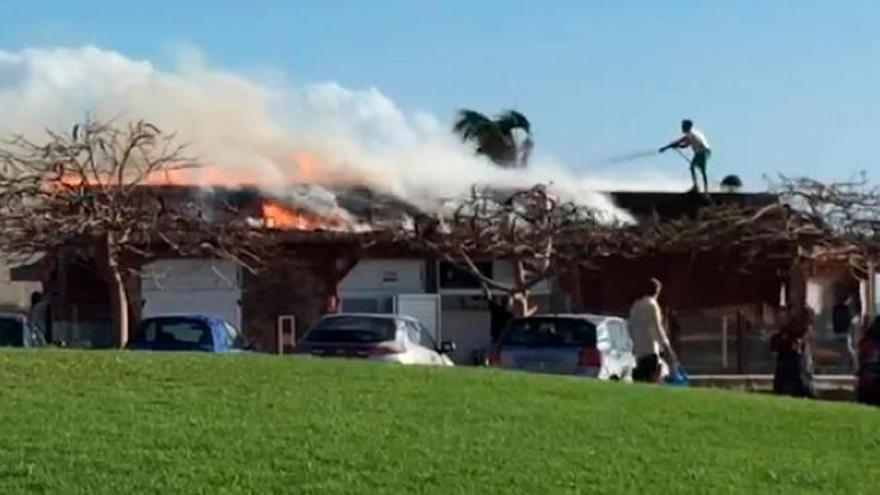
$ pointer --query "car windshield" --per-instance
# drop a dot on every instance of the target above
(11, 332)
(550, 332)
(235, 338)
(353, 329)
(189, 333)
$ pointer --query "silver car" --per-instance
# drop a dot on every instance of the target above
(377, 337)
(586, 345)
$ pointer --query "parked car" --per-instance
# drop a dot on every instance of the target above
(586, 345)
(16, 331)
(197, 333)
(377, 337)
(868, 374)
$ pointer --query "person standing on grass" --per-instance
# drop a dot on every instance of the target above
(694, 139)
(38, 316)
(792, 344)
(649, 335)
(844, 320)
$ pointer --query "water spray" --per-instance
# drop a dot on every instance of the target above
(628, 157)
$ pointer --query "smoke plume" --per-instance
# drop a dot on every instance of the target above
(268, 134)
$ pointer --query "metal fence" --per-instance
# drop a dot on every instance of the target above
(736, 340)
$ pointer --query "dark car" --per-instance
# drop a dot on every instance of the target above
(868, 374)
(194, 333)
(16, 331)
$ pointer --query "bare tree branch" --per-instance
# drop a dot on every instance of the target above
(91, 192)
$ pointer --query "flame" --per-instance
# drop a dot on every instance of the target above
(280, 216)
(303, 168)
(275, 214)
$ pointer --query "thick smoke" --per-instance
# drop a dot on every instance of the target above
(270, 134)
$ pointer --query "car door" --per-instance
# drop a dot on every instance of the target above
(420, 352)
(605, 346)
(415, 353)
(625, 361)
(432, 347)
(613, 353)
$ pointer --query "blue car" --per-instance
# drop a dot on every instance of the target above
(192, 333)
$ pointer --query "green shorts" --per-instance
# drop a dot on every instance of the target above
(700, 159)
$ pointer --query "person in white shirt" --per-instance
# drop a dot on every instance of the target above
(697, 142)
(649, 336)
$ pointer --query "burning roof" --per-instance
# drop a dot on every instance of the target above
(304, 207)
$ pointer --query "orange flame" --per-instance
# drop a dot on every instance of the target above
(308, 168)
(281, 216)
(301, 167)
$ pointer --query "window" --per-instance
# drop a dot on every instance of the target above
(428, 339)
(233, 336)
(370, 305)
(619, 336)
(453, 277)
(183, 333)
(360, 305)
(550, 332)
(353, 329)
(413, 333)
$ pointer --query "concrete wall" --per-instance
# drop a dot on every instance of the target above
(15, 295)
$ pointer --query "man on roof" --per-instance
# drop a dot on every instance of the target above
(694, 139)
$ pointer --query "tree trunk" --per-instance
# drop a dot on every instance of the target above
(116, 290)
(520, 294)
(119, 304)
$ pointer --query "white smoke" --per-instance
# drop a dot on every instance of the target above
(271, 134)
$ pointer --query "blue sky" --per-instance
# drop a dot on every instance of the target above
(779, 87)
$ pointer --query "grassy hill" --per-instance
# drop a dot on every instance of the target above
(95, 422)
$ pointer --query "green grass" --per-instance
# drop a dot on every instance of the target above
(95, 422)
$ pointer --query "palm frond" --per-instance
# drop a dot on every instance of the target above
(511, 119)
(471, 124)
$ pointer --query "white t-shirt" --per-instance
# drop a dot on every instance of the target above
(646, 327)
(697, 140)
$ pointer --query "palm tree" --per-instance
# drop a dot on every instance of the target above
(495, 138)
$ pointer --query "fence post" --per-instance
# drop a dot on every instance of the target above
(724, 342)
(73, 325)
(739, 342)
(285, 324)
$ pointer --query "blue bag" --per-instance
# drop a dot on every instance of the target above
(677, 376)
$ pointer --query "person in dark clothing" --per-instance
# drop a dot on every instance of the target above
(793, 375)
(499, 316)
(39, 316)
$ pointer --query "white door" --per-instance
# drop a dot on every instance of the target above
(192, 286)
(470, 330)
(423, 307)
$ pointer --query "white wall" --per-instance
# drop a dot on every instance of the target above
(15, 294)
(820, 298)
(176, 286)
(469, 329)
(384, 277)
(503, 272)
